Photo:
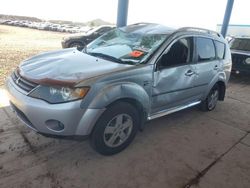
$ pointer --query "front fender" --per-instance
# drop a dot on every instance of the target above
(114, 92)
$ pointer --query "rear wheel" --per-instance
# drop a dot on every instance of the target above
(211, 101)
(115, 129)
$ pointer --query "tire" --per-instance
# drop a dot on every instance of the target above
(115, 129)
(78, 45)
(210, 102)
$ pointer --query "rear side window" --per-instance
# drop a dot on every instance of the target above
(205, 49)
(220, 48)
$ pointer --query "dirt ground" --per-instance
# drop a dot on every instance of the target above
(185, 149)
(17, 44)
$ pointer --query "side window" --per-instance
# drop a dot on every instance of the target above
(205, 49)
(180, 53)
(220, 48)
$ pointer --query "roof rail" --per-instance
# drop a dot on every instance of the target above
(141, 23)
(201, 30)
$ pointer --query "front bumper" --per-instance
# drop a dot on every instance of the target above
(36, 113)
(239, 64)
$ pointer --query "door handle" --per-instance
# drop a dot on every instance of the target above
(216, 67)
(189, 73)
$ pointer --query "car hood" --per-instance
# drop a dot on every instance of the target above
(233, 51)
(66, 67)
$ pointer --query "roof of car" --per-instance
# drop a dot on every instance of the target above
(153, 28)
(149, 28)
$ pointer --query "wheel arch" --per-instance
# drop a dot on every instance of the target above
(121, 91)
(138, 106)
(221, 80)
(222, 90)
(131, 93)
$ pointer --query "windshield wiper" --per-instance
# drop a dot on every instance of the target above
(105, 56)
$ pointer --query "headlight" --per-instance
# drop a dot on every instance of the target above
(247, 61)
(59, 94)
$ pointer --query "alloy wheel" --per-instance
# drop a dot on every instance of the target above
(118, 130)
(212, 99)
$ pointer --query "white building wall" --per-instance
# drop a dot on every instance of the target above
(236, 30)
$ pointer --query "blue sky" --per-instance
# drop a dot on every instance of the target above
(175, 13)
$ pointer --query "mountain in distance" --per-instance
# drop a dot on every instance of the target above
(92, 23)
(97, 22)
(14, 17)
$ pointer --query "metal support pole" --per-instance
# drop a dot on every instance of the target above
(227, 16)
(122, 13)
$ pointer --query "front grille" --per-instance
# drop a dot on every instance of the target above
(22, 83)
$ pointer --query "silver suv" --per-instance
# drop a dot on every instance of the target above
(120, 80)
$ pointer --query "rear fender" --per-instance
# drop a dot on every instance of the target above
(221, 77)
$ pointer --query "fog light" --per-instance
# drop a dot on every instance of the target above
(54, 125)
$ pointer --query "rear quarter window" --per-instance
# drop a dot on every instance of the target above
(220, 48)
(205, 49)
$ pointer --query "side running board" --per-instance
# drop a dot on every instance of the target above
(172, 110)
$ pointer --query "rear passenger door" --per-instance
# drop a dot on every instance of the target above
(206, 66)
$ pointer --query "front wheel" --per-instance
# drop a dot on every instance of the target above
(115, 129)
(211, 101)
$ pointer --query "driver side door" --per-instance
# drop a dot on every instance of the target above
(174, 76)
